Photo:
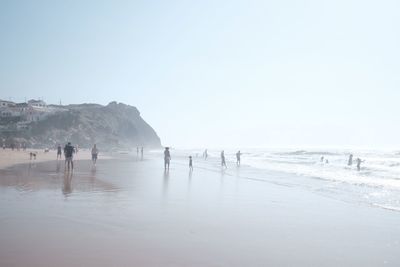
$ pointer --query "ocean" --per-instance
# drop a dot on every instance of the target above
(376, 184)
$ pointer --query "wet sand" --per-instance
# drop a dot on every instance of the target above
(129, 212)
(10, 157)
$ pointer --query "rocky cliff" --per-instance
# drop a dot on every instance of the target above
(113, 126)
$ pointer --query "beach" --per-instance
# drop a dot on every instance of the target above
(129, 212)
(10, 157)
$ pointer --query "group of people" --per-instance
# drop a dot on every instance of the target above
(69, 152)
(14, 145)
(167, 159)
(358, 160)
(349, 162)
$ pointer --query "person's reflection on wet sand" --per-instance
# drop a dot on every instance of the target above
(67, 188)
(58, 166)
(165, 182)
(190, 180)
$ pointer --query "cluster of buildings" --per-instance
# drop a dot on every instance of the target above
(26, 112)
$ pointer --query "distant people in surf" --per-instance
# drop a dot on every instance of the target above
(69, 151)
(238, 154)
(205, 154)
(95, 152)
(190, 163)
(141, 153)
(223, 162)
(167, 159)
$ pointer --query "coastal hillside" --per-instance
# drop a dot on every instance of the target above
(116, 126)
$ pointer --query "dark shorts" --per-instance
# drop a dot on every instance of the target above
(69, 159)
(94, 156)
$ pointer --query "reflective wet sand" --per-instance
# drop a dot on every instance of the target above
(131, 213)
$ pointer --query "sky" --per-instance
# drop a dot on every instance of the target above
(216, 73)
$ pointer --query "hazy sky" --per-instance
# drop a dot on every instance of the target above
(216, 73)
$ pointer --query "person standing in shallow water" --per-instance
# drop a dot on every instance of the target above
(95, 152)
(141, 153)
(223, 163)
(350, 162)
(167, 158)
(238, 154)
(190, 163)
(359, 164)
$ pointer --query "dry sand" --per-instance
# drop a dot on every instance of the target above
(127, 212)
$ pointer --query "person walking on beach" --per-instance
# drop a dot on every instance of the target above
(190, 163)
(137, 151)
(350, 162)
(223, 163)
(141, 153)
(238, 154)
(95, 151)
(167, 158)
(69, 151)
(59, 152)
(322, 159)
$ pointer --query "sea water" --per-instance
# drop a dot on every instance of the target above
(377, 183)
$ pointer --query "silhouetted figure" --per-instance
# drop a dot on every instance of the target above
(69, 151)
(95, 151)
(223, 163)
(59, 151)
(350, 162)
(137, 151)
(190, 163)
(238, 154)
(24, 146)
(4, 144)
(322, 159)
(327, 161)
(205, 154)
(32, 155)
(141, 153)
(167, 158)
(12, 146)
(359, 164)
